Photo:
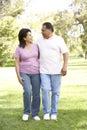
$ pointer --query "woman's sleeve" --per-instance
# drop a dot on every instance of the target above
(17, 52)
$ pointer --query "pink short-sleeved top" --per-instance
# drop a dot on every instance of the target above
(29, 62)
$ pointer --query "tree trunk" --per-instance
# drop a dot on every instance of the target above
(85, 55)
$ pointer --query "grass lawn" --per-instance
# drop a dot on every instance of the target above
(72, 106)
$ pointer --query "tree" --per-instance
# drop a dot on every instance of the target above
(72, 26)
(81, 18)
(8, 34)
(9, 9)
(63, 24)
(9, 28)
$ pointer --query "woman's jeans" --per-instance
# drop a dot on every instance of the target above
(31, 95)
(50, 83)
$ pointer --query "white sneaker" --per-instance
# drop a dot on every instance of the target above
(46, 117)
(37, 118)
(25, 117)
(53, 117)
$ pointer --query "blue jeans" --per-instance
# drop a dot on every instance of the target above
(31, 95)
(50, 83)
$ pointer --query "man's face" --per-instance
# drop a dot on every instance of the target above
(45, 32)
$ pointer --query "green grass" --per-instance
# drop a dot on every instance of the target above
(72, 106)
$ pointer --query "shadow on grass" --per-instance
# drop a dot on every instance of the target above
(10, 119)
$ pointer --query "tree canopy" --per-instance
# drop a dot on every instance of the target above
(71, 24)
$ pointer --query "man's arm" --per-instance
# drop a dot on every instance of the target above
(65, 64)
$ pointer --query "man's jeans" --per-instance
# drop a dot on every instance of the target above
(50, 83)
(31, 86)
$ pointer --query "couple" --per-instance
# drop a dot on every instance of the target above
(47, 51)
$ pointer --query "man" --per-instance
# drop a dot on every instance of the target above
(51, 48)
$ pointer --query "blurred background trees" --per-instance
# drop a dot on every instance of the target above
(71, 24)
(81, 18)
(8, 29)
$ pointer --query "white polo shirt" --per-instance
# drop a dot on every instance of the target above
(50, 54)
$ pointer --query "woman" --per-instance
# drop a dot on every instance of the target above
(27, 70)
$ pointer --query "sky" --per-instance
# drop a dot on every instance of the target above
(40, 6)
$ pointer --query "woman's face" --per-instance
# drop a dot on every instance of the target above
(28, 38)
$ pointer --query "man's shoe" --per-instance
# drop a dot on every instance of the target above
(37, 118)
(53, 117)
(46, 117)
(25, 117)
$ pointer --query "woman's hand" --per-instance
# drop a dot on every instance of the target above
(20, 80)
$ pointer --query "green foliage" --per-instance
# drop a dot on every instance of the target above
(9, 30)
(8, 9)
(3, 52)
(8, 35)
(64, 26)
(84, 43)
(72, 26)
(17, 8)
(63, 23)
(81, 17)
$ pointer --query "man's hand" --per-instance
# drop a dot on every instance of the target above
(63, 72)
(65, 62)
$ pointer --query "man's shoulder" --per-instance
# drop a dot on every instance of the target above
(57, 37)
(39, 40)
(60, 40)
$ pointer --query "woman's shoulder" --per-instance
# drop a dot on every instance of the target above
(19, 48)
(35, 45)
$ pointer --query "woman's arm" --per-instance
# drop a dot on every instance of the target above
(17, 61)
